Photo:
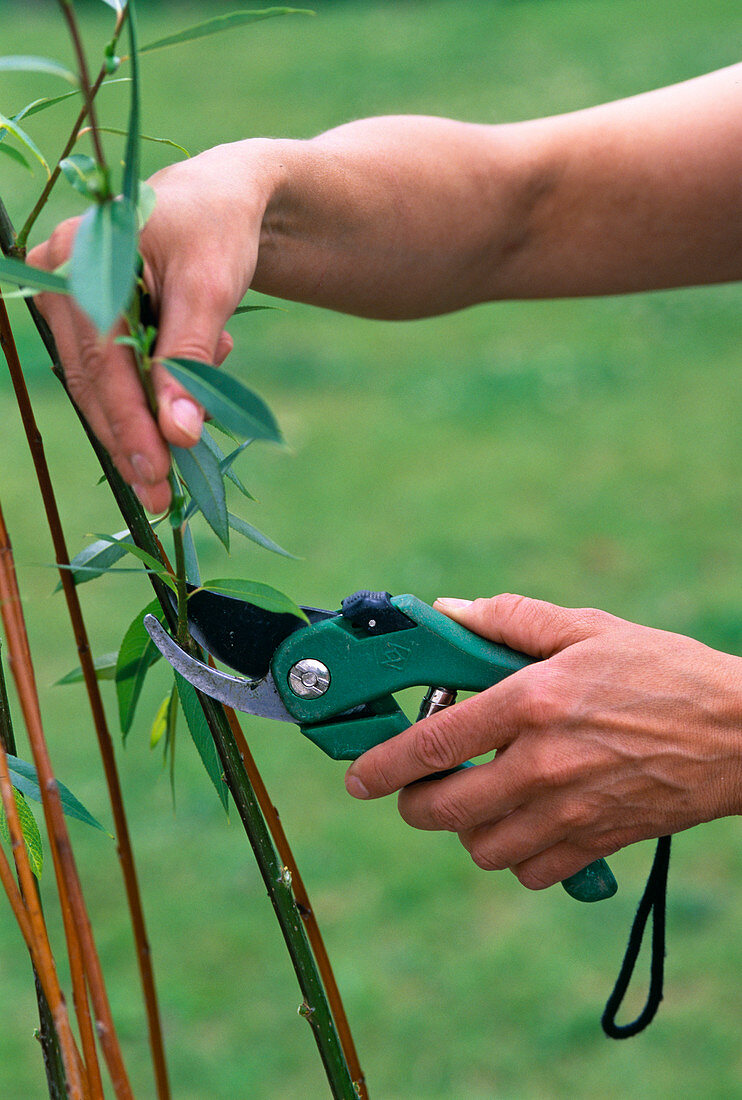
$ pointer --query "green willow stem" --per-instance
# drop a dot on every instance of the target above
(51, 1052)
(315, 1007)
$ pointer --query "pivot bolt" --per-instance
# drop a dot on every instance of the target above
(309, 679)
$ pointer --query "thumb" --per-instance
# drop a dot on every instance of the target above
(191, 326)
(534, 627)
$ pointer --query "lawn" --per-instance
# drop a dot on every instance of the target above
(585, 452)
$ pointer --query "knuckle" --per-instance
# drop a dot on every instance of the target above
(486, 857)
(450, 813)
(534, 878)
(434, 746)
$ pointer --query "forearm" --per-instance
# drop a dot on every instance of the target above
(406, 216)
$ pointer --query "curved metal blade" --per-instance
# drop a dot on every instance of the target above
(249, 696)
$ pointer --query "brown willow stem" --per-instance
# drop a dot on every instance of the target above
(304, 905)
(26, 908)
(105, 742)
(67, 878)
(52, 1055)
(82, 72)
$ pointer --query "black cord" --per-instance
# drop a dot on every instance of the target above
(654, 902)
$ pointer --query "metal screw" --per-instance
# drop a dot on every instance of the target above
(309, 678)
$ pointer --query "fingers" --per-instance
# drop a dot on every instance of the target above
(443, 741)
(191, 326)
(531, 626)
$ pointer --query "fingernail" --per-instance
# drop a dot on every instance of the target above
(452, 603)
(186, 416)
(354, 786)
(143, 467)
(143, 493)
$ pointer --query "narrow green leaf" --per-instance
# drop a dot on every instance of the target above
(202, 738)
(20, 274)
(29, 831)
(16, 155)
(130, 184)
(193, 575)
(254, 309)
(220, 23)
(243, 528)
(104, 269)
(13, 128)
(23, 776)
(154, 566)
(160, 724)
(135, 658)
(22, 64)
(98, 557)
(83, 173)
(117, 5)
(227, 399)
(105, 669)
(157, 141)
(200, 471)
(47, 101)
(146, 204)
(262, 595)
(226, 461)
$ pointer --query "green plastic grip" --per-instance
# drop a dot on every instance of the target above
(366, 670)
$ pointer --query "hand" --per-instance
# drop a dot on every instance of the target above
(199, 250)
(619, 734)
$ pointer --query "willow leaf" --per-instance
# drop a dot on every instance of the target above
(226, 461)
(130, 186)
(105, 669)
(16, 155)
(193, 575)
(136, 656)
(104, 261)
(23, 777)
(12, 127)
(202, 739)
(220, 23)
(29, 831)
(238, 408)
(161, 720)
(82, 172)
(255, 309)
(203, 478)
(157, 141)
(242, 527)
(154, 566)
(262, 595)
(23, 275)
(52, 101)
(22, 64)
(98, 557)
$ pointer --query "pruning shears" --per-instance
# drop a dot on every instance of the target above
(334, 674)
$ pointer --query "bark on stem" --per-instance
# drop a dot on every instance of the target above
(105, 742)
(68, 882)
(53, 1063)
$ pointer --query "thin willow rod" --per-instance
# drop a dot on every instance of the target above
(52, 1055)
(68, 882)
(77, 969)
(105, 742)
(33, 929)
(315, 1007)
(304, 905)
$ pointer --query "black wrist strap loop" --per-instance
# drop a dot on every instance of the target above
(654, 902)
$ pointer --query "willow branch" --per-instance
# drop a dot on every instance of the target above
(68, 882)
(82, 70)
(53, 1063)
(105, 742)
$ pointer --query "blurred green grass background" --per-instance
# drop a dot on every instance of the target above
(585, 452)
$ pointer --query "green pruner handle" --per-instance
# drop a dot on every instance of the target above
(593, 883)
